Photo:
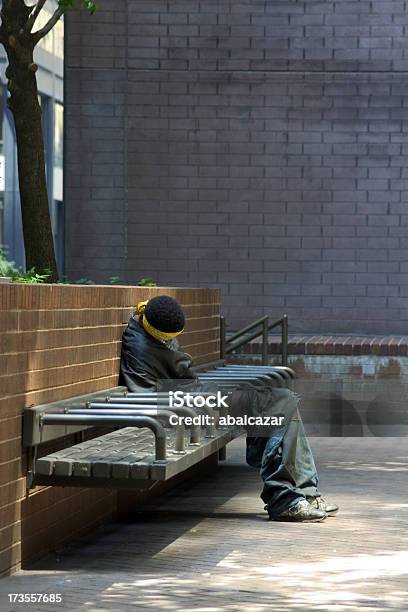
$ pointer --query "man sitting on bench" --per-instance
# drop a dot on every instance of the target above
(151, 359)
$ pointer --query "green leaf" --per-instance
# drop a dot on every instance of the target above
(76, 5)
(147, 282)
(32, 278)
(90, 6)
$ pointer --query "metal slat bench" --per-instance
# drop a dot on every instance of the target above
(145, 449)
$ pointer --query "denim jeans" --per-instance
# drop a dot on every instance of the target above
(281, 453)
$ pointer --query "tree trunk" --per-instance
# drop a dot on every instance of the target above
(24, 104)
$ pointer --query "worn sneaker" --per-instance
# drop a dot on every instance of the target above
(302, 511)
(321, 504)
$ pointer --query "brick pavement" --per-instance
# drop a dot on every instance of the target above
(208, 548)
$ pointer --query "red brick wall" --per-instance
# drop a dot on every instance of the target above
(57, 341)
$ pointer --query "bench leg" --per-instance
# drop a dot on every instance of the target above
(222, 453)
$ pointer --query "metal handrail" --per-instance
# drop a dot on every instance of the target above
(241, 337)
(230, 348)
(247, 328)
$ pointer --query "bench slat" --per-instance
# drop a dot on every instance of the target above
(126, 455)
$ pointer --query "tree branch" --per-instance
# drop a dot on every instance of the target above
(48, 26)
(31, 20)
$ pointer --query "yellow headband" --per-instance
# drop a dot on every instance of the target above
(156, 333)
(140, 308)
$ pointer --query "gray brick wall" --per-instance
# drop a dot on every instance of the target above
(258, 146)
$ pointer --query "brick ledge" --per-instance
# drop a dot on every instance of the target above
(393, 346)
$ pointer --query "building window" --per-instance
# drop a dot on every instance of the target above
(54, 41)
(57, 183)
(58, 134)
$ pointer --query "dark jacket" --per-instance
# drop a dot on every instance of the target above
(149, 364)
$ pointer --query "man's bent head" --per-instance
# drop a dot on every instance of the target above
(162, 317)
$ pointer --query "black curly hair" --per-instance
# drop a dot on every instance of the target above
(165, 314)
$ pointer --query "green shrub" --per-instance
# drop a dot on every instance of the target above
(147, 282)
(7, 268)
(31, 276)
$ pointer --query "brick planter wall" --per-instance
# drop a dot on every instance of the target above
(392, 346)
(350, 385)
(57, 341)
